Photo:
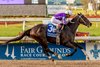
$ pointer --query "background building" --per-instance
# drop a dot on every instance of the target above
(22, 8)
(45, 7)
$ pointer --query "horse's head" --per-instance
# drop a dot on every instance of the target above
(81, 19)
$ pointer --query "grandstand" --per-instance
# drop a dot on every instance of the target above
(39, 8)
(22, 8)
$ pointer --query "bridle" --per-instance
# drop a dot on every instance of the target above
(80, 17)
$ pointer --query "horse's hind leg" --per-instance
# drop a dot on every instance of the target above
(70, 45)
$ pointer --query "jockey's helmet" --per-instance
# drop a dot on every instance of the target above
(68, 12)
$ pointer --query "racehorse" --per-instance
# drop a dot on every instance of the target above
(67, 36)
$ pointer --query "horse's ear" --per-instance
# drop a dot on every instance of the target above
(78, 13)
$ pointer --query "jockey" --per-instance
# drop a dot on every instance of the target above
(60, 18)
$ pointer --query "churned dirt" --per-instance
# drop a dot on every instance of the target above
(48, 63)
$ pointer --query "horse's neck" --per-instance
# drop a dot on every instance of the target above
(73, 27)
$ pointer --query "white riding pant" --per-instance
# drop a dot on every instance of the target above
(55, 21)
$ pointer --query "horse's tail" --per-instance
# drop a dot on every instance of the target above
(25, 33)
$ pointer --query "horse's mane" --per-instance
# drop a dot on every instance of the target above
(72, 20)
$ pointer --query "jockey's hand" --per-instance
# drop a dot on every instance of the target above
(69, 21)
(61, 24)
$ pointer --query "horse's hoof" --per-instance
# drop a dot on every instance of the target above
(52, 60)
(88, 58)
(67, 54)
(59, 57)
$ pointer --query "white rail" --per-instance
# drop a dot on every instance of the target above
(88, 38)
(23, 19)
(39, 19)
(76, 38)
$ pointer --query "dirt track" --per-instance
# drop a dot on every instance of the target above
(47, 63)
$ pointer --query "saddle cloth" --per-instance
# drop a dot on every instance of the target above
(51, 30)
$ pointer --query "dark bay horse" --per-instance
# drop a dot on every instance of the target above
(67, 35)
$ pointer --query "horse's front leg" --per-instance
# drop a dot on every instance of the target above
(46, 50)
(70, 45)
(59, 57)
(82, 50)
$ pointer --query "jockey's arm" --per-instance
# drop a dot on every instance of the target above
(64, 20)
(69, 21)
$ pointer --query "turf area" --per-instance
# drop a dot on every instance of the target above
(16, 29)
(94, 30)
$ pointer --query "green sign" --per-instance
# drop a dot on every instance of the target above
(57, 2)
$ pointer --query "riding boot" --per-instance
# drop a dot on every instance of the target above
(58, 36)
